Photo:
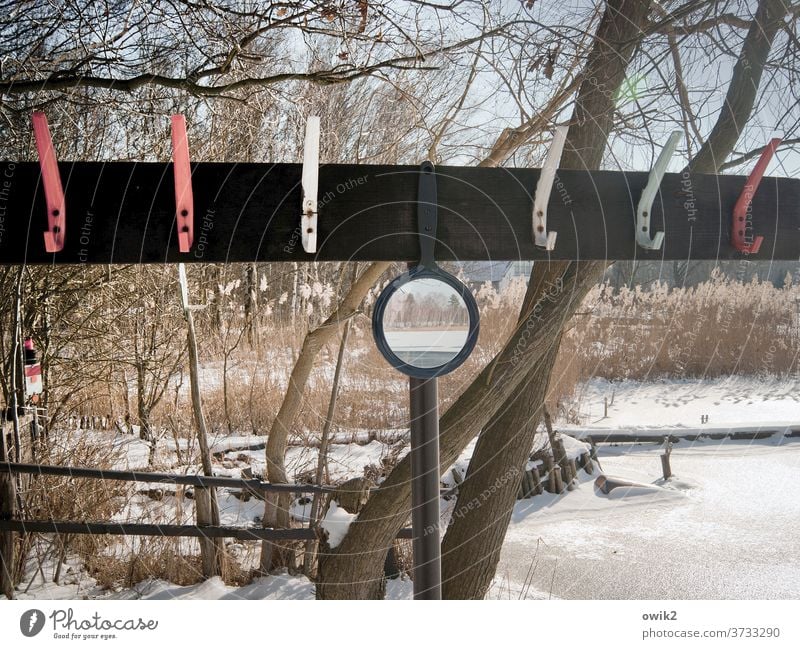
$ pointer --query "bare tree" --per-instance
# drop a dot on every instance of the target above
(471, 547)
(395, 81)
(207, 508)
(473, 542)
(276, 513)
(216, 49)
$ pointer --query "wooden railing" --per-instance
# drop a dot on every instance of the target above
(11, 524)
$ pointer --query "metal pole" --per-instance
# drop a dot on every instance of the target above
(425, 488)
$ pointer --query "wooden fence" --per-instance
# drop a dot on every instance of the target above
(557, 475)
(10, 523)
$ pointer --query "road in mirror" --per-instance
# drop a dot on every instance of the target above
(426, 323)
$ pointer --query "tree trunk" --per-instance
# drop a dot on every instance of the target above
(276, 510)
(471, 551)
(322, 457)
(8, 509)
(618, 35)
(473, 541)
(354, 570)
(743, 87)
(206, 507)
(8, 481)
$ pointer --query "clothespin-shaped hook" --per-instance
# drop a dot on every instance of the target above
(645, 207)
(739, 223)
(541, 237)
(310, 182)
(184, 199)
(51, 179)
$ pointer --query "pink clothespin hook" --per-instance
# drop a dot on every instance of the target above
(184, 201)
(740, 211)
(51, 179)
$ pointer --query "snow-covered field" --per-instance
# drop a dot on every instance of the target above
(725, 526)
(728, 402)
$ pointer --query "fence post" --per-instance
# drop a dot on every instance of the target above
(527, 484)
(588, 465)
(558, 481)
(210, 548)
(8, 499)
(666, 469)
(536, 478)
(573, 474)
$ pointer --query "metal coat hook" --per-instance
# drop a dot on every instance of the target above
(310, 182)
(739, 223)
(645, 208)
(544, 186)
(51, 179)
(184, 199)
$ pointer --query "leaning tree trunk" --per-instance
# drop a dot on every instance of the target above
(206, 505)
(276, 510)
(618, 35)
(474, 540)
(354, 569)
(322, 456)
(743, 88)
(471, 547)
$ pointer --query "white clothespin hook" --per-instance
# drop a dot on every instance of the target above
(310, 182)
(645, 208)
(541, 237)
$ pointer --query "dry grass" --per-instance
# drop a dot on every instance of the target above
(720, 327)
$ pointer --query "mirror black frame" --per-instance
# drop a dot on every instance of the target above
(416, 273)
(426, 269)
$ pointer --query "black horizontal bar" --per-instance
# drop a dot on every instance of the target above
(148, 529)
(691, 434)
(124, 212)
(254, 485)
(167, 478)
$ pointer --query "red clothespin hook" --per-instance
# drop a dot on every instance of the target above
(184, 201)
(740, 210)
(51, 179)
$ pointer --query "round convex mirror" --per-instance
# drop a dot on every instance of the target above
(425, 322)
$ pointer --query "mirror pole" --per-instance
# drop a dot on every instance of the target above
(425, 488)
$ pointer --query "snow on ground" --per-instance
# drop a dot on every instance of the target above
(344, 460)
(728, 401)
(76, 584)
(282, 586)
(724, 527)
